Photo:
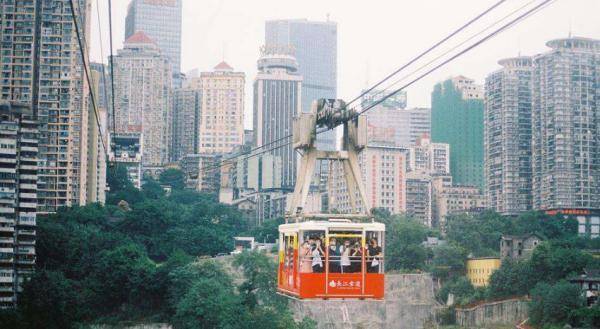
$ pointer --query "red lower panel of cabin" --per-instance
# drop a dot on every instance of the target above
(334, 285)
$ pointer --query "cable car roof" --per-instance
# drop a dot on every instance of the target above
(322, 225)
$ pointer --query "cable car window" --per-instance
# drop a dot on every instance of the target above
(312, 251)
(374, 251)
(345, 251)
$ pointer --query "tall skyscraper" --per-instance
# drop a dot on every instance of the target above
(222, 118)
(566, 125)
(457, 119)
(142, 97)
(315, 45)
(507, 143)
(18, 201)
(277, 91)
(42, 67)
(161, 21)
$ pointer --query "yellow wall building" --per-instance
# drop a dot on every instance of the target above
(480, 269)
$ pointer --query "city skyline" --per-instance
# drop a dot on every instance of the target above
(211, 32)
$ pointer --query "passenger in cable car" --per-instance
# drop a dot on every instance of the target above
(356, 257)
(345, 251)
(317, 252)
(373, 254)
(334, 256)
(305, 255)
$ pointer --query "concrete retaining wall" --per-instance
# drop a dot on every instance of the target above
(409, 303)
(507, 312)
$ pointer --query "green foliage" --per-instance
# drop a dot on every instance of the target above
(553, 304)
(448, 259)
(172, 177)
(460, 287)
(553, 262)
(585, 317)
(403, 243)
(268, 231)
(49, 301)
(512, 279)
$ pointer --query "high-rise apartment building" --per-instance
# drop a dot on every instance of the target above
(42, 67)
(507, 132)
(143, 98)
(98, 140)
(457, 119)
(18, 197)
(222, 118)
(392, 123)
(277, 92)
(315, 45)
(419, 197)
(161, 21)
(566, 125)
(186, 121)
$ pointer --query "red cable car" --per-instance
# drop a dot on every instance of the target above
(331, 259)
(324, 255)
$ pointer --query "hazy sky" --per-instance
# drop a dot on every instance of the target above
(375, 37)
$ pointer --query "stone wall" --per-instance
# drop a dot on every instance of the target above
(409, 303)
(510, 311)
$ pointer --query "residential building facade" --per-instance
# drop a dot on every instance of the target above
(566, 125)
(449, 199)
(143, 98)
(186, 122)
(507, 133)
(277, 101)
(18, 197)
(433, 158)
(42, 67)
(392, 123)
(457, 119)
(221, 127)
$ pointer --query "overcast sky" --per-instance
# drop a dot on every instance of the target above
(375, 36)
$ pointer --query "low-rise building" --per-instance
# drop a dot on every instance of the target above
(518, 247)
(202, 172)
(589, 283)
(449, 199)
(479, 270)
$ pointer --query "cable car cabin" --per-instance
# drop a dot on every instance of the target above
(331, 259)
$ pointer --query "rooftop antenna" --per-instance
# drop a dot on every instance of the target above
(327, 15)
(570, 26)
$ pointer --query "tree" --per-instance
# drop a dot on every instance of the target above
(49, 300)
(460, 287)
(513, 278)
(175, 178)
(552, 304)
(268, 231)
(553, 262)
(260, 273)
(152, 189)
(448, 259)
(403, 243)
(208, 304)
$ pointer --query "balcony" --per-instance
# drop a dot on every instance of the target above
(7, 228)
